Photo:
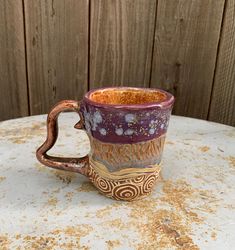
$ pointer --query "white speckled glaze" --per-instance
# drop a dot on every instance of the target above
(193, 204)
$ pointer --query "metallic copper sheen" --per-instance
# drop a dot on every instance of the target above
(127, 96)
(126, 127)
(78, 165)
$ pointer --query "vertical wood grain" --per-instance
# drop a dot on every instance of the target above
(13, 84)
(57, 51)
(223, 97)
(121, 41)
(185, 49)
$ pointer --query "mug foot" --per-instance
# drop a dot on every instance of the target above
(128, 185)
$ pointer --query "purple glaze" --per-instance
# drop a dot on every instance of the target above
(126, 123)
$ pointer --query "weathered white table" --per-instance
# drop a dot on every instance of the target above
(192, 206)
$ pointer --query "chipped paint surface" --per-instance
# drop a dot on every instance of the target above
(192, 206)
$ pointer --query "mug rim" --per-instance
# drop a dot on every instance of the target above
(167, 102)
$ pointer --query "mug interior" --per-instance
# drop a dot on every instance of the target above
(127, 96)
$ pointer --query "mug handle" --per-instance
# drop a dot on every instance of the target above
(78, 165)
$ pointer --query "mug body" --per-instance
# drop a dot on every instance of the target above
(127, 129)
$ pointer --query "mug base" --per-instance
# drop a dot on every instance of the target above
(126, 187)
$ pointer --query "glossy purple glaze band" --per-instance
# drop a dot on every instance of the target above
(126, 123)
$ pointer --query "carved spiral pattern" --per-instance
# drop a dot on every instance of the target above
(139, 179)
(124, 189)
(104, 185)
(149, 183)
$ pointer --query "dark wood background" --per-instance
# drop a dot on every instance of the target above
(58, 49)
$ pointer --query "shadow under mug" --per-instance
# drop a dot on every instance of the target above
(126, 127)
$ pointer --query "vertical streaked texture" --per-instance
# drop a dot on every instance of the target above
(121, 42)
(223, 97)
(13, 84)
(185, 49)
(57, 51)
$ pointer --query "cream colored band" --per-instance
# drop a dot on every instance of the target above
(126, 173)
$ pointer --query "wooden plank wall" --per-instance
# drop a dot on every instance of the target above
(223, 96)
(13, 84)
(121, 42)
(185, 50)
(58, 49)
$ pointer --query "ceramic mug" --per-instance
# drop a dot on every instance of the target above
(127, 128)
